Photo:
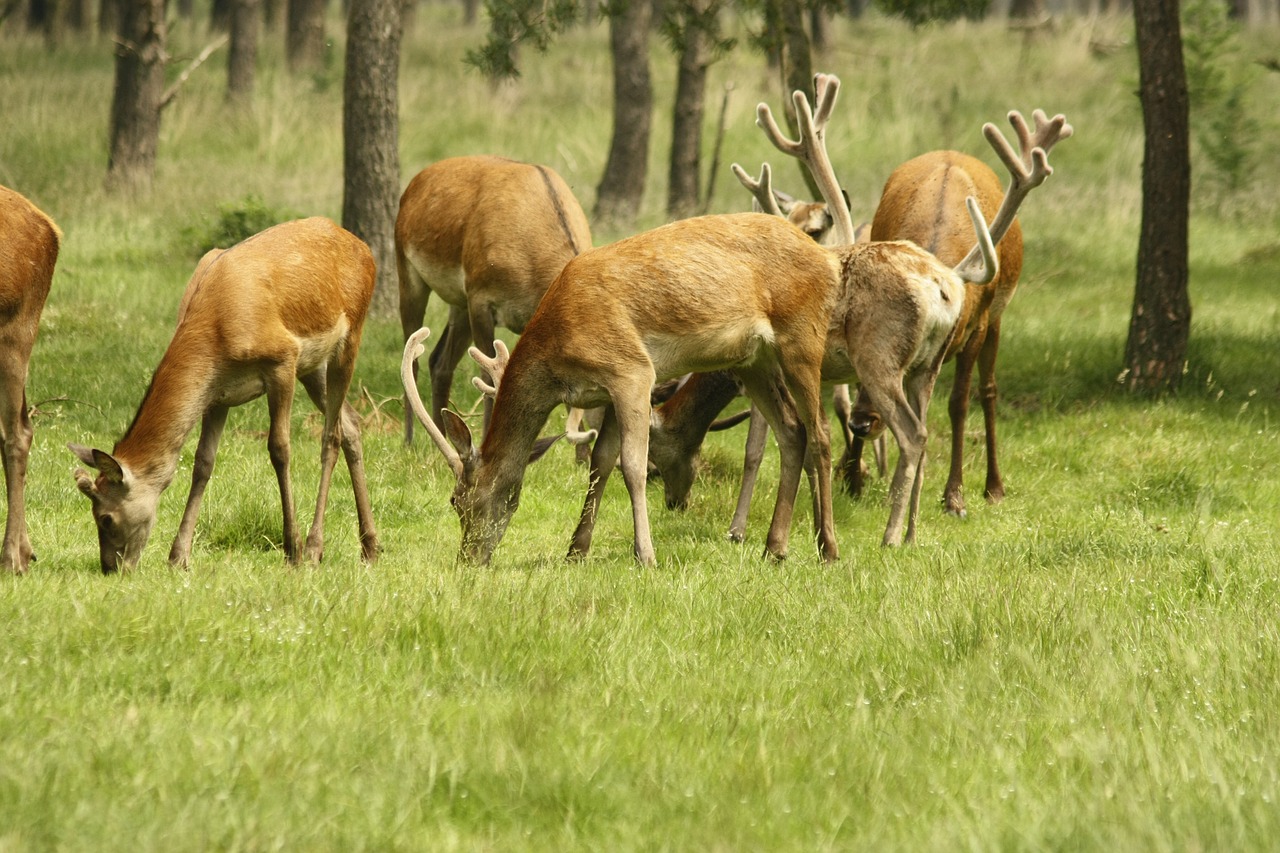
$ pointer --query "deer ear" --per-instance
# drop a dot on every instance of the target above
(455, 429)
(101, 461)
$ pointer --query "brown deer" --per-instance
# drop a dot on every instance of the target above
(921, 202)
(749, 292)
(29, 242)
(289, 302)
(488, 236)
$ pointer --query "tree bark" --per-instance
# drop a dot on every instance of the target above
(109, 17)
(370, 132)
(1161, 321)
(684, 177)
(796, 69)
(621, 187)
(242, 58)
(136, 99)
(304, 36)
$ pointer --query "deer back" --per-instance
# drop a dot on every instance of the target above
(489, 229)
(923, 201)
(29, 242)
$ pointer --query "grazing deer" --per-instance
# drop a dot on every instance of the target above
(921, 202)
(488, 236)
(747, 292)
(29, 242)
(289, 302)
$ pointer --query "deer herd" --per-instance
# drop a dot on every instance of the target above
(776, 304)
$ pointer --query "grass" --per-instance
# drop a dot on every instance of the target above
(1091, 664)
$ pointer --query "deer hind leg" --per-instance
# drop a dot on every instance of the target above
(910, 433)
(604, 455)
(211, 427)
(769, 394)
(989, 393)
(632, 413)
(444, 359)
(919, 392)
(280, 382)
(15, 445)
(806, 390)
(958, 409)
(414, 295)
(757, 436)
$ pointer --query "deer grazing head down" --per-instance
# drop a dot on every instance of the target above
(486, 235)
(29, 243)
(287, 304)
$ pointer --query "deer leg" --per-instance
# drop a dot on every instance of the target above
(757, 435)
(850, 465)
(480, 320)
(988, 392)
(958, 409)
(806, 390)
(444, 359)
(353, 451)
(604, 455)
(632, 414)
(768, 393)
(211, 426)
(919, 392)
(15, 445)
(910, 433)
(279, 404)
(414, 295)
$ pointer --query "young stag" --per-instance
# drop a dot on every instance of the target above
(28, 251)
(921, 202)
(287, 303)
(488, 236)
(898, 308)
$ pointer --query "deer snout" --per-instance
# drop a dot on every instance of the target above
(866, 425)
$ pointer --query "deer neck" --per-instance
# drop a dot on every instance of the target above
(173, 404)
(522, 407)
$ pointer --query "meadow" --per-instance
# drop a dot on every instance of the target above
(1092, 664)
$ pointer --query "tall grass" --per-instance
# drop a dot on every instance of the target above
(1092, 664)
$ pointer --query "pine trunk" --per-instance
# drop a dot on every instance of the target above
(242, 58)
(1161, 322)
(370, 131)
(135, 102)
(684, 178)
(621, 187)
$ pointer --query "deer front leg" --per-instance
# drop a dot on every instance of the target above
(327, 392)
(632, 414)
(958, 409)
(480, 321)
(414, 295)
(769, 395)
(757, 436)
(353, 451)
(15, 438)
(279, 405)
(604, 455)
(211, 426)
(806, 387)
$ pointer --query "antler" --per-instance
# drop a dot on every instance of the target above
(494, 366)
(413, 349)
(1029, 169)
(761, 189)
(811, 147)
(986, 249)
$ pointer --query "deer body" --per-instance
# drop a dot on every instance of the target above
(29, 242)
(286, 305)
(488, 236)
(743, 291)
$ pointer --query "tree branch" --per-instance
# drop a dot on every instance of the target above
(209, 49)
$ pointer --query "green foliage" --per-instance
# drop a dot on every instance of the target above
(1217, 86)
(234, 222)
(918, 12)
(513, 23)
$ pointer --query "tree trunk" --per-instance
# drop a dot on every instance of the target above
(370, 133)
(621, 187)
(1161, 321)
(220, 14)
(109, 17)
(242, 58)
(304, 39)
(470, 12)
(684, 178)
(135, 102)
(796, 69)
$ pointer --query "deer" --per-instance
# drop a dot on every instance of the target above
(287, 303)
(487, 235)
(921, 202)
(30, 242)
(748, 292)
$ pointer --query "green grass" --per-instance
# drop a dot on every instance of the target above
(1092, 664)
